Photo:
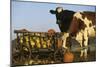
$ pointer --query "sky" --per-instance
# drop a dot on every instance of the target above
(35, 16)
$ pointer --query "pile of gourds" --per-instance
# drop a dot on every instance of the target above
(36, 41)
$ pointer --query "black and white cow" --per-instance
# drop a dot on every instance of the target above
(82, 25)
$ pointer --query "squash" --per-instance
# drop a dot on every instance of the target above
(68, 57)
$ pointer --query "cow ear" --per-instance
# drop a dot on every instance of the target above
(52, 12)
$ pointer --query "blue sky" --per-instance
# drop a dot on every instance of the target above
(35, 16)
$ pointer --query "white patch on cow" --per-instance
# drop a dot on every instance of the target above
(85, 33)
(59, 10)
(91, 31)
(64, 40)
(79, 36)
(78, 15)
(87, 22)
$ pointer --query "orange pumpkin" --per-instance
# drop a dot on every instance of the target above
(51, 32)
(68, 57)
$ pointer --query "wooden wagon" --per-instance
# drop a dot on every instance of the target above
(37, 45)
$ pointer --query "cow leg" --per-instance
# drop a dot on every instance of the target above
(69, 42)
(64, 37)
(85, 49)
(82, 51)
(85, 43)
(79, 38)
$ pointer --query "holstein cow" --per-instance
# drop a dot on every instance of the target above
(82, 25)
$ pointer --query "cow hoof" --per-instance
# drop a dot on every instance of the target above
(81, 56)
(85, 57)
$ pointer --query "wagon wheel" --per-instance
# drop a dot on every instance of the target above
(51, 56)
(58, 55)
(26, 53)
(16, 54)
(15, 58)
(20, 54)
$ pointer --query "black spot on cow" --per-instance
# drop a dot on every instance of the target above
(90, 25)
(81, 25)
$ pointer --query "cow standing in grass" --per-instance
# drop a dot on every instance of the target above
(81, 25)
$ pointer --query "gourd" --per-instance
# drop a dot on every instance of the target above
(68, 57)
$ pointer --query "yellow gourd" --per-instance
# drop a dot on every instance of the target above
(44, 45)
(38, 43)
(26, 38)
(32, 43)
(21, 40)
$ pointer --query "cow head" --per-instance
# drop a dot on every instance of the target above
(57, 13)
(58, 10)
(59, 17)
(63, 18)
